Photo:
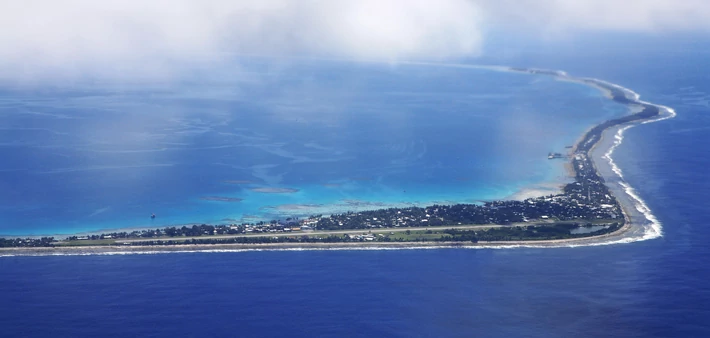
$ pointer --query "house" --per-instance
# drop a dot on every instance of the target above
(311, 222)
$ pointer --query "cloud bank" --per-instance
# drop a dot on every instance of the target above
(76, 35)
(573, 16)
(40, 37)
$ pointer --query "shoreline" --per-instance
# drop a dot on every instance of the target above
(629, 232)
(370, 246)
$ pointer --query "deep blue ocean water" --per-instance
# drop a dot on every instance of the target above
(655, 288)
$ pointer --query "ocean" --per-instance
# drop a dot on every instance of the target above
(653, 288)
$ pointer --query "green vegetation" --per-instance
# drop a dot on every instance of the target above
(464, 233)
(26, 242)
(551, 231)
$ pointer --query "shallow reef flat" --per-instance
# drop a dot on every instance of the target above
(221, 199)
(269, 190)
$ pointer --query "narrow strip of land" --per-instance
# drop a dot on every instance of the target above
(326, 232)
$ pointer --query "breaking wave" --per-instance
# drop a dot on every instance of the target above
(654, 228)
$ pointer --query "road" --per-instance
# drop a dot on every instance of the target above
(323, 232)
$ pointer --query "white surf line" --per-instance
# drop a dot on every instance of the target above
(654, 228)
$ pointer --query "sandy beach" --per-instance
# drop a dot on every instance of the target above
(148, 249)
(538, 190)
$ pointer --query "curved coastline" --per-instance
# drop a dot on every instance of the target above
(640, 223)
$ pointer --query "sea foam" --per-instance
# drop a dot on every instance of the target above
(653, 229)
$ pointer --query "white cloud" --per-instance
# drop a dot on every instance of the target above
(570, 16)
(153, 36)
(158, 37)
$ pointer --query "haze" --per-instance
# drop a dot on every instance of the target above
(43, 39)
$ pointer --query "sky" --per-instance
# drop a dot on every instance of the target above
(43, 39)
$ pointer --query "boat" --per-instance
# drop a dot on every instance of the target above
(554, 155)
